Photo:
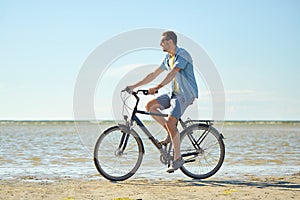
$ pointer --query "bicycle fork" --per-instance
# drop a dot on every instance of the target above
(122, 144)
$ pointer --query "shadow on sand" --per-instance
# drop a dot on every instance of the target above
(286, 183)
(258, 184)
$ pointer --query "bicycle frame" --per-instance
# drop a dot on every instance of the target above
(143, 127)
(140, 123)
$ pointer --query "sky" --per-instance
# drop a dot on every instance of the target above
(254, 45)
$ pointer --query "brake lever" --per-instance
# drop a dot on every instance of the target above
(127, 89)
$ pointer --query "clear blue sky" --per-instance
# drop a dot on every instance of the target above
(255, 46)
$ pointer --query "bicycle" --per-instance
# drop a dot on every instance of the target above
(119, 150)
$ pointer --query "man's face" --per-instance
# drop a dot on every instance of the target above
(165, 43)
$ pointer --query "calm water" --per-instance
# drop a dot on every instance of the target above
(51, 150)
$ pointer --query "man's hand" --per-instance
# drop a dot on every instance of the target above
(155, 89)
(152, 90)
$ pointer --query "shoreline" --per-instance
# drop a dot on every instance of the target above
(251, 187)
(100, 121)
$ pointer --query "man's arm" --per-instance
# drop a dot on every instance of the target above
(150, 77)
(170, 76)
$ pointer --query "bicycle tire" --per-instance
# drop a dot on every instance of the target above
(113, 163)
(205, 157)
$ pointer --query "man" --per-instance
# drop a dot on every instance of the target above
(178, 63)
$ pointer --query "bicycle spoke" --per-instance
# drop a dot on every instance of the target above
(118, 154)
(203, 151)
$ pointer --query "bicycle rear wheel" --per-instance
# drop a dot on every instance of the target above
(118, 153)
(203, 149)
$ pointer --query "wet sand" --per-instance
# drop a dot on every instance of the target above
(251, 187)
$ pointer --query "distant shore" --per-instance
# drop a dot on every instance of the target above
(269, 188)
(149, 121)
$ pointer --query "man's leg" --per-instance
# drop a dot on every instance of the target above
(169, 125)
(174, 134)
(153, 106)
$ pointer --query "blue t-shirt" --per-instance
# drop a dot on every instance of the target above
(185, 78)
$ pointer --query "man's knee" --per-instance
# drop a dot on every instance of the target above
(152, 105)
(148, 106)
(171, 122)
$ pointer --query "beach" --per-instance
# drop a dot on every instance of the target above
(287, 187)
(53, 160)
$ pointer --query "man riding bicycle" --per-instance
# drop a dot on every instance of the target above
(179, 65)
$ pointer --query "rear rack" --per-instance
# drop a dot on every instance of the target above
(192, 121)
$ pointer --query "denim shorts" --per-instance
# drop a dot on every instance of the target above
(176, 103)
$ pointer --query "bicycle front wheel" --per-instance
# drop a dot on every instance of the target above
(118, 153)
(203, 149)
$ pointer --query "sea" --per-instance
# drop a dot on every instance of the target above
(54, 150)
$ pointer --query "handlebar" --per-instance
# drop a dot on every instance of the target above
(145, 92)
(135, 94)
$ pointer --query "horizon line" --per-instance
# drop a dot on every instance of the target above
(111, 120)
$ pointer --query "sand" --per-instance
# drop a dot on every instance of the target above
(287, 187)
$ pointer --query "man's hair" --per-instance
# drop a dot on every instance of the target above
(170, 35)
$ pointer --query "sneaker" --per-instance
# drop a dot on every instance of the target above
(175, 165)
